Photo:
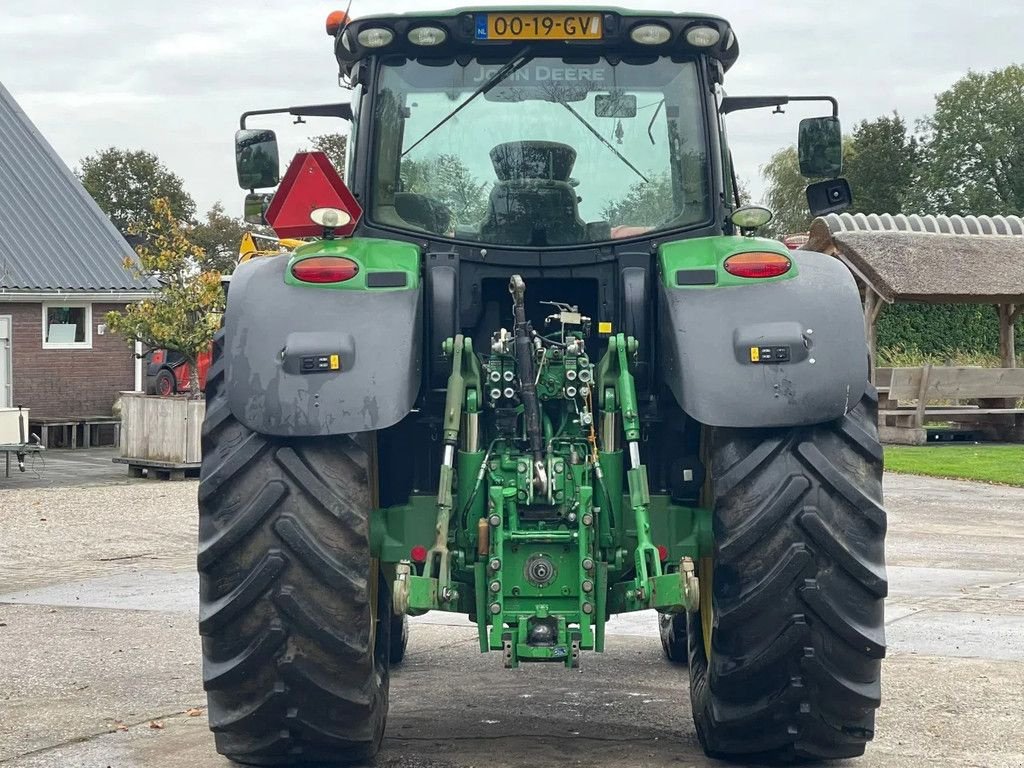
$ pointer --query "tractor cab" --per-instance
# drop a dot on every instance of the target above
(534, 130)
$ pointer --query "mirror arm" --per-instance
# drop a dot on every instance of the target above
(344, 111)
(738, 103)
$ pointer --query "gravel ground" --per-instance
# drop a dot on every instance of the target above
(100, 662)
(97, 530)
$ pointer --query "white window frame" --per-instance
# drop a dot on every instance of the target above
(87, 344)
(6, 359)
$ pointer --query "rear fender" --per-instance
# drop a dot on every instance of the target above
(363, 343)
(708, 333)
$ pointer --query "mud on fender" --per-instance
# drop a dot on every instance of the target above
(308, 361)
(771, 354)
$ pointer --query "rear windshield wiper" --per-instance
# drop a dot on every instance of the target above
(506, 71)
(603, 140)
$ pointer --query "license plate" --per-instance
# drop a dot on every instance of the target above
(538, 26)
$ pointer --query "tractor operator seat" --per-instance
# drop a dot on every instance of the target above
(533, 202)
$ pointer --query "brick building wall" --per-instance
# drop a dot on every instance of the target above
(66, 382)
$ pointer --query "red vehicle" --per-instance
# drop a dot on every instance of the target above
(167, 372)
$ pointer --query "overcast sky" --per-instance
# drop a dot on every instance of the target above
(173, 77)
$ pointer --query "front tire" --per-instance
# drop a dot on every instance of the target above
(798, 586)
(399, 638)
(294, 614)
(672, 629)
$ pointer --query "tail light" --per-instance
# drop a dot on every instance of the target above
(325, 269)
(157, 356)
(662, 552)
(758, 264)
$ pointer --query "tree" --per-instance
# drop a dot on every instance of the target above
(184, 315)
(785, 194)
(743, 191)
(884, 166)
(219, 237)
(447, 180)
(335, 146)
(882, 162)
(975, 145)
(124, 183)
(645, 204)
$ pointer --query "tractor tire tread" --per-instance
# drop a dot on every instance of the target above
(799, 579)
(293, 670)
(258, 654)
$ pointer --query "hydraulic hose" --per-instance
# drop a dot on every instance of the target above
(527, 380)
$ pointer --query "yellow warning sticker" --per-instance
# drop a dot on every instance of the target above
(335, 362)
(604, 327)
(755, 355)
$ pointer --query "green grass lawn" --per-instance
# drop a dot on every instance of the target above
(987, 463)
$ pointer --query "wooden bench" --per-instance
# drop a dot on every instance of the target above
(92, 426)
(66, 428)
(996, 391)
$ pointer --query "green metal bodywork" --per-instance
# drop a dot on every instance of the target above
(370, 254)
(710, 253)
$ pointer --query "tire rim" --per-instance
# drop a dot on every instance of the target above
(707, 611)
(165, 387)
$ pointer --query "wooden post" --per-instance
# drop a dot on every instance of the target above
(1007, 315)
(870, 299)
(872, 308)
(922, 395)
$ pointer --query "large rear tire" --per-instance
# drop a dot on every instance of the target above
(294, 614)
(799, 579)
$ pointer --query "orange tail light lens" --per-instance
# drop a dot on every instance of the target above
(757, 264)
(325, 269)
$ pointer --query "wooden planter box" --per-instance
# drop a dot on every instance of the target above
(161, 430)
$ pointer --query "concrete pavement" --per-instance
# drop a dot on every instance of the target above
(64, 467)
(100, 661)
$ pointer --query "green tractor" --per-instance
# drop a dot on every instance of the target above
(549, 374)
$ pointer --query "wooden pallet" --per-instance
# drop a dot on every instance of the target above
(163, 470)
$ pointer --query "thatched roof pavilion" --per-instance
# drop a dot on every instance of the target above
(931, 259)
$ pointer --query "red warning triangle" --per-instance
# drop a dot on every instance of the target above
(310, 183)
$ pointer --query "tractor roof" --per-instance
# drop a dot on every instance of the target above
(472, 31)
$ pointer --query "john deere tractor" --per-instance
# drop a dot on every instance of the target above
(538, 368)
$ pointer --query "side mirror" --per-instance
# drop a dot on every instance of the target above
(820, 147)
(256, 204)
(831, 196)
(615, 105)
(256, 159)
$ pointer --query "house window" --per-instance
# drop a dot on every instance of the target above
(67, 326)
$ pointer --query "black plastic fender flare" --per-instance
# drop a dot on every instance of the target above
(271, 328)
(706, 336)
